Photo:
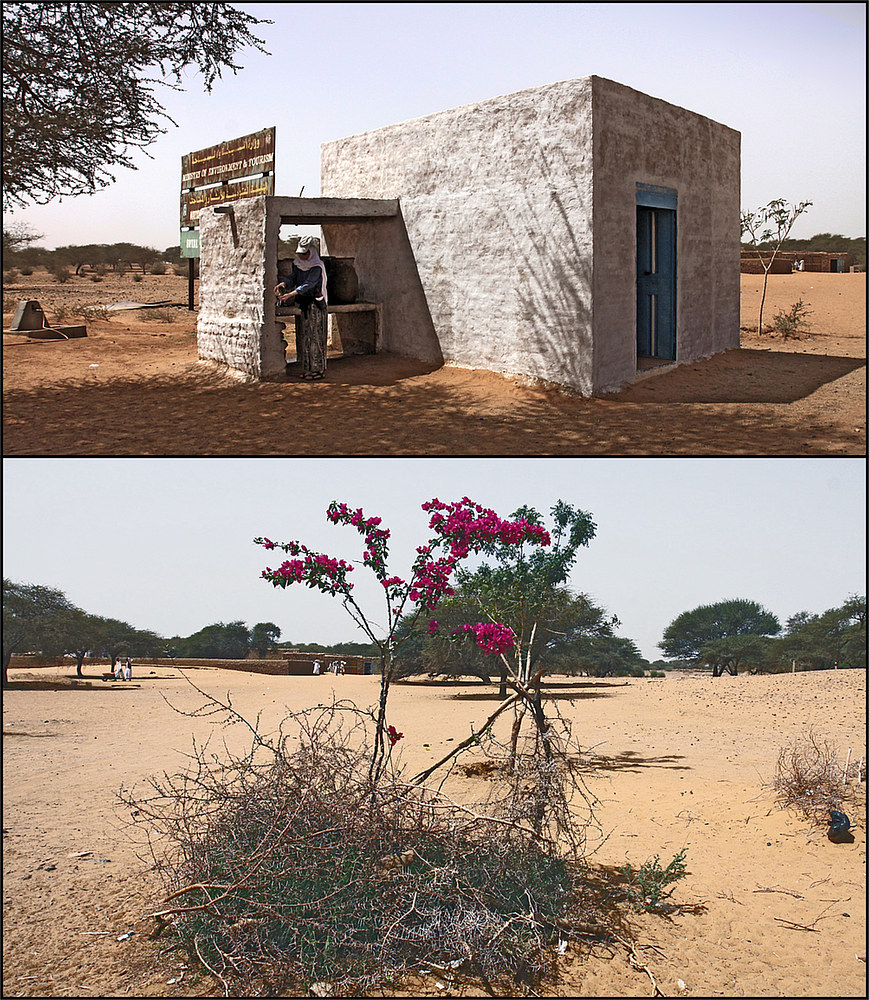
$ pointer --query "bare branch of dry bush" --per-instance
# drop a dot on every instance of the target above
(285, 865)
(810, 778)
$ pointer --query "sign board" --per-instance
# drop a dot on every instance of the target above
(227, 161)
(189, 242)
(211, 176)
(192, 202)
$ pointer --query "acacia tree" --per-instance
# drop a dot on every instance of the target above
(525, 589)
(220, 641)
(770, 225)
(690, 633)
(563, 619)
(598, 655)
(32, 618)
(79, 81)
(114, 638)
(17, 240)
(79, 633)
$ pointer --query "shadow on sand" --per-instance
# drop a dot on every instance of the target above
(567, 691)
(630, 760)
(751, 377)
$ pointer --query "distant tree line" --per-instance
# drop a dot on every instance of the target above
(234, 641)
(42, 620)
(225, 641)
(741, 635)
(21, 251)
(823, 243)
(571, 636)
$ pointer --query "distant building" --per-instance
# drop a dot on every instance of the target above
(787, 261)
(303, 663)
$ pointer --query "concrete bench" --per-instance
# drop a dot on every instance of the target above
(356, 326)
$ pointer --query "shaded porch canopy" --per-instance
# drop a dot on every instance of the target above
(319, 211)
(359, 326)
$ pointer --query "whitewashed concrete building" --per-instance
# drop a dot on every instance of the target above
(571, 233)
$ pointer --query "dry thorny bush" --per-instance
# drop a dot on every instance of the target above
(284, 866)
(810, 778)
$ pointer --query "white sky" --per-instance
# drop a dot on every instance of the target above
(789, 76)
(166, 544)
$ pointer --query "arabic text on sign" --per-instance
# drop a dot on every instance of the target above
(229, 160)
(193, 202)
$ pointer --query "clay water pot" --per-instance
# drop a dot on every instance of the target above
(342, 280)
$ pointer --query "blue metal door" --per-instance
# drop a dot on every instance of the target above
(656, 283)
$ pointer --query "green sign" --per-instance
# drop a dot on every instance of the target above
(189, 242)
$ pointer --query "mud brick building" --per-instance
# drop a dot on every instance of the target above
(569, 233)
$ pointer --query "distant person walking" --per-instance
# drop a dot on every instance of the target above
(305, 287)
(128, 670)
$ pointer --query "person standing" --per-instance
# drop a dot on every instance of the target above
(305, 287)
(128, 670)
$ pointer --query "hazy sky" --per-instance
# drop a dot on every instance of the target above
(789, 76)
(166, 544)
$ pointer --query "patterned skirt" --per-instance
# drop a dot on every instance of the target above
(311, 335)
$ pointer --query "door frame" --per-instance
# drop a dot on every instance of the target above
(656, 196)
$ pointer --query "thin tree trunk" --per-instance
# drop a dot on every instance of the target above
(379, 753)
(518, 716)
(763, 298)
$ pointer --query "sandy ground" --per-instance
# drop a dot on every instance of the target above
(770, 907)
(134, 387)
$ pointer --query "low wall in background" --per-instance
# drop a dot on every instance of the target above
(297, 666)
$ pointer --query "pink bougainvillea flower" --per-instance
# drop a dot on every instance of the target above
(492, 637)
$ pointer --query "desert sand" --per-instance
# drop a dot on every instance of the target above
(770, 907)
(134, 386)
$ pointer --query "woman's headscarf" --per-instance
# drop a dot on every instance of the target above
(307, 243)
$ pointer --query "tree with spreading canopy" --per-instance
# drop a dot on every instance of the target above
(79, 85)
(731, 652)
(79, 633)
(599, 655)
(524, 588)
(43, 620)
(33, 617)
(115, 638)
(567, 625)
(689, 635)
